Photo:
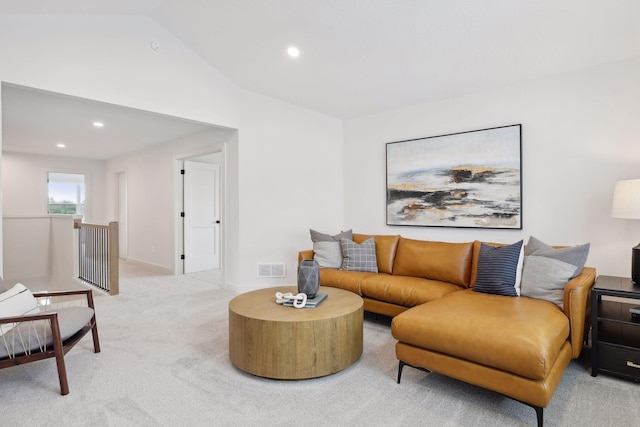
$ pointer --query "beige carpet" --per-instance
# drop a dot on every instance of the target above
(164, 362)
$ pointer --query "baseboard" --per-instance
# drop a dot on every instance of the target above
(160, 269)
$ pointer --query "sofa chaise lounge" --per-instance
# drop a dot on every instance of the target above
(516, 346)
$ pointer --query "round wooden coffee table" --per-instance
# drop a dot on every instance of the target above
(273, 341)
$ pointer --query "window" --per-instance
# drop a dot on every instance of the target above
(66, 193)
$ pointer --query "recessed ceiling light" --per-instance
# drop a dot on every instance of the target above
(293, 51)
(98, 124)
(60, 145)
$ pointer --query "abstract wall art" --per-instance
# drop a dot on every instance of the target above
(467, 179)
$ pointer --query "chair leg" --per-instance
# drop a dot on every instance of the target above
(59, 353)
(94, 333)
(94, 328)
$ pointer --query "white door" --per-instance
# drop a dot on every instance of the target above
(122, 215)
(201, 216)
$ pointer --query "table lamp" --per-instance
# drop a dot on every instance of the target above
(626, 204)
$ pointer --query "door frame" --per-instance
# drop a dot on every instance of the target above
(179, 206)
(123, 229)
(201, 222)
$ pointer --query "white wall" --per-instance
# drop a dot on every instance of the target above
(27, 247)
(24, 183)
(580, 134)
(291, 179)
(1, 203)
(41, 251)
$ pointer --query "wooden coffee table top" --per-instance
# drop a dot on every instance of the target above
(274, 341)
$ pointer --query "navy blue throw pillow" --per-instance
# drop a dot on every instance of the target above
(498, 269)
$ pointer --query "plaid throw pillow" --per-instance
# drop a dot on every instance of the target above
(359, 257)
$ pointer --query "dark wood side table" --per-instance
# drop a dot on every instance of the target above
(615, 335)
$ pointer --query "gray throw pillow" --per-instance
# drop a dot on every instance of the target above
(547, 270)
(359, 257)
(317, 236)
(328, 254)
(326, 248)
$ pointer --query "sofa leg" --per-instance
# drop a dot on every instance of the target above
(400, 366)
(539, 409)
(539, 414)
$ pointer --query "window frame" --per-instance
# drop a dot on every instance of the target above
(85, 176)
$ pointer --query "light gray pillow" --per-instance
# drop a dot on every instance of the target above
(317, 236)
(546, 270)
(326, 248)
(359, 257)
(575, 255)
(545, 278)
(328, 254)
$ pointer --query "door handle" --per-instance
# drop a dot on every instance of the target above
(632, 365)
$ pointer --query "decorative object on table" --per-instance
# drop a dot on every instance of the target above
(311, 302)
(468, 179)
(308, 277)
(297, 301)
(626, 204)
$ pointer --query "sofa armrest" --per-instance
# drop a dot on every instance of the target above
(577, 307)
(302, 255)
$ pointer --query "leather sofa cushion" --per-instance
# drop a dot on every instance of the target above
(513, 334)
(405, 291)
(347, 280)
(446, 262)
(386, 247)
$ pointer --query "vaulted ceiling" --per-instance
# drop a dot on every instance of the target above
(361, 57)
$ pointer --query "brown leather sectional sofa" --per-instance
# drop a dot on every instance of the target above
(516, 346)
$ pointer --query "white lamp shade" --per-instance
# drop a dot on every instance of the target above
(626, 199)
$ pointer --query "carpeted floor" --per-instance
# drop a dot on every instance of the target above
(164, 362)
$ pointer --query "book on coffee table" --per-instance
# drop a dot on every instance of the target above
(311, 302)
